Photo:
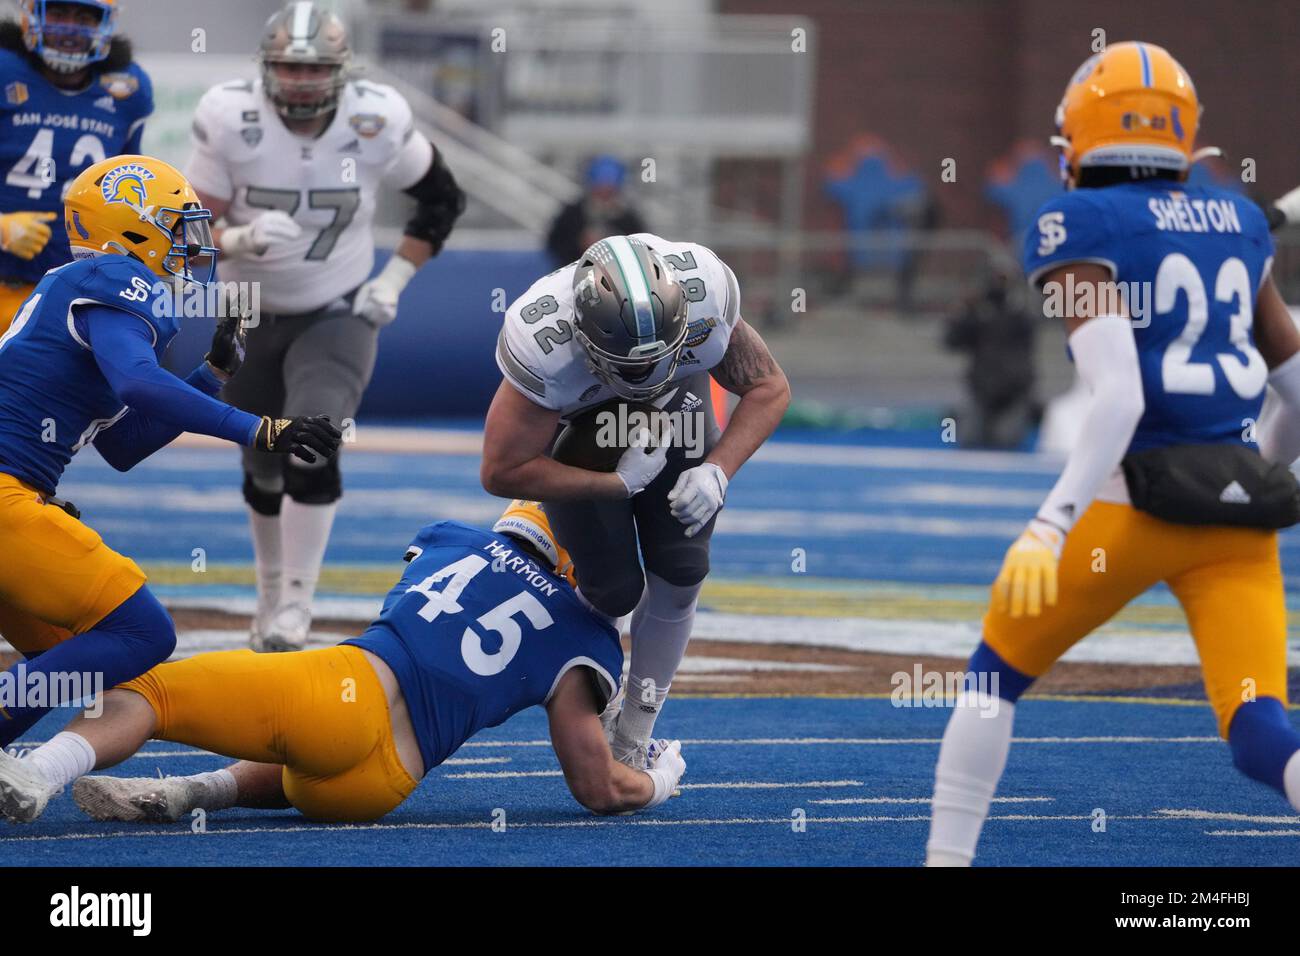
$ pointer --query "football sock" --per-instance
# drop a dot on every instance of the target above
(304, 533)
(129, 640)
(268, 555)
(1264, 746)
(63, 758)
(661, 629)
(972, 756)
(215, 790)
(971, 759)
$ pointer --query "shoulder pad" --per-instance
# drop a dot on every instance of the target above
(1072, 227)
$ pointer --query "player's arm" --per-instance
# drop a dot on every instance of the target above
(1278, 341)
(598, 781)
(421, 173)
(136, 435)
(747, 369)
(122, 344)
(516, 436)
(1105, 356)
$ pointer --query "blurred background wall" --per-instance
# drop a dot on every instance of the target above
(867, 167)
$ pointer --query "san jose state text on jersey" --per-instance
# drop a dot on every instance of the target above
(47, 136)
(1200, 255)
(477, 631)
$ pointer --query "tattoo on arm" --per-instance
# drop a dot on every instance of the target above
(746, 362)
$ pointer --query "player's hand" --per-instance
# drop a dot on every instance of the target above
(308, 437)
(271, 228)
(697, 496)
(227, 352)
(25, 234)
(643, 460)
(376, 301)
(1027, 580)
(665, 765)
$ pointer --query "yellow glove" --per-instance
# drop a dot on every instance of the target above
(24, 234)
(1028, 575)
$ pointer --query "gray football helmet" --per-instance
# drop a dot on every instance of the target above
(302, 34)
(631, 316)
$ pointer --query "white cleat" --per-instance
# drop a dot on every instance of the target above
(256, 630)
(633, 753)
(24, 791)
(287, 629)
(609, 716)
(136, 799)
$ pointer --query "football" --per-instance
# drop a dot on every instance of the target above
(596, 438)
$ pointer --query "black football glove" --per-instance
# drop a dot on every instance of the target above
(306, 437)
(227, 352)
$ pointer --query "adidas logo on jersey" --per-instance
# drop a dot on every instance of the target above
(106, 103)
(1234, 494)
(691, 402)
(352, 147)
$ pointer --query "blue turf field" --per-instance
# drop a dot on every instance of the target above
(934, 520)
(859, 769)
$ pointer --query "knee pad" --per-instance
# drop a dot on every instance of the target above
(683, 563)
(318, 484)
(1262, 740)
(262, 501)
(614, 597)
(1011, 683)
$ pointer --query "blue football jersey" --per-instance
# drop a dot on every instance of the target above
(477, 631)
(53, 397)
(1189, 261)
(48, 136)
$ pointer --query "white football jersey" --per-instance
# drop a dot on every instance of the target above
(244, 153)
(539, 355)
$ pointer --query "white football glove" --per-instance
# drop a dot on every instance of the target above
(643, 460)
(697, 496)
(1289, 205)
(376, 300)
(666, 767)
(270, 228)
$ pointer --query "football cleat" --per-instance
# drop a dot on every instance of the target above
(24, 791)
(632, 753)
(137, 799)
(609, 716)
(287, 630)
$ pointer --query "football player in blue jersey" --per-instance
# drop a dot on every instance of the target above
(70, 95)
(78, 366)
(1176, 327)
(480, 626)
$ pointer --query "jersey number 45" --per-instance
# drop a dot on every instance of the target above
(501, 619)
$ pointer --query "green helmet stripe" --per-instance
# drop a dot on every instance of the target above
(637, 285)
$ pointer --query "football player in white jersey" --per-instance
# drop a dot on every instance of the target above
(636, 318)
(293, 162)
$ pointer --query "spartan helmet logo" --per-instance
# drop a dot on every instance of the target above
(125, 184)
